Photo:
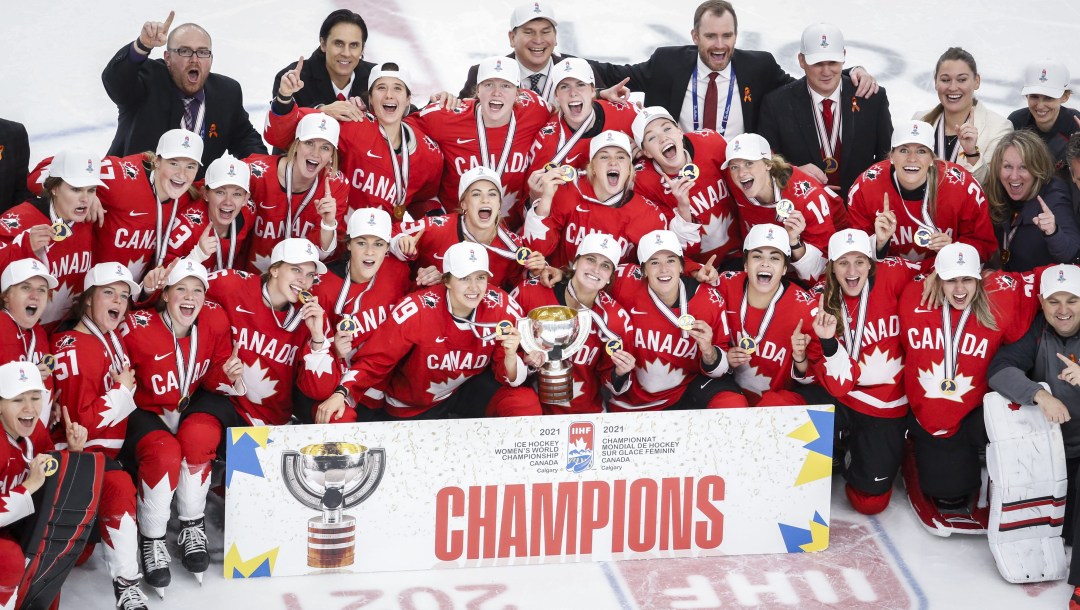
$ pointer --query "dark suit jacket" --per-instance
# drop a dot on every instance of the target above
(787, 122)
(470, 81)
(318, 88)
(666, 75)
(14, 164)
(149, 104)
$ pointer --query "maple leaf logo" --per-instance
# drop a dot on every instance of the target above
(442, 389)
(636, 273)
(872, 173)
(258, 168)
(931, 383)
(432, 145)
(728, 275)
(548, 130)
(137, 268)
(716, 232)
(954, 175)
(658, 376)
(129, 170)
(748, 378)
(429, 300)
(524, 99)
(1005, 282)
(262, 262)
(142, 318)
(258, 383)
(802, 187)
(117, 408)
(195, 217)
(494, 297)
(10, 221)
(61, 303)
(838, 367)
(318, 363)
(65, 342)
(804, 297)
(437, 221)
(878, 368)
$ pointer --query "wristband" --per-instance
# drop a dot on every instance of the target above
(798, 361)
(327, 227)
(142, 47)
(797, 245)
(284, 100)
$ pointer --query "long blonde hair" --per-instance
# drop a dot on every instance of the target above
(1036, 158)
(981, 305)
(834, 295)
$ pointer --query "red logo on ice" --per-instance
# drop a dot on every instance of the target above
(579, 450)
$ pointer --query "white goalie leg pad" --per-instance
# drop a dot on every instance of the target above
(1026, 463)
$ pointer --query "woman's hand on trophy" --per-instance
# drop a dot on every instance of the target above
(535, 359)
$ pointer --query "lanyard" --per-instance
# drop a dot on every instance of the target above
(185, 368)
(670, 315)
(29, 349)
(232, 246)
(566, 145)
(161, 238)
(115, 350)
(952, 343)
(343, 295)
(765, 321)
(727, 105)
(292, 316)
(939, 133)
(481, 135)
(827, 139)
(926, 222)
(199, 119)
(609, 202)
(853, 334)
(599, 317)
(401, 169)
(290, 219)
(509, 251)
(472, 323)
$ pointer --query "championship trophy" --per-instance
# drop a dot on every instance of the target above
(559, 332)
(330, 478)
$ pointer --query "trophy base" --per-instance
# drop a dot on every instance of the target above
(556, 389)
(331, 545)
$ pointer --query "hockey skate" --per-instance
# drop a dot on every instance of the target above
(154, 561)
(192, 540)
(128, 595)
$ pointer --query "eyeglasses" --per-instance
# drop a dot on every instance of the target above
(186, 52)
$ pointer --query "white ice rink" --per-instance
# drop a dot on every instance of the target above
(55, 52)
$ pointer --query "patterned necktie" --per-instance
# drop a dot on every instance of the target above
(534, 81)
(191, 112)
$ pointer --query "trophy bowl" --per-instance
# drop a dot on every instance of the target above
(559, 332)
(332, 464)
(554, 325)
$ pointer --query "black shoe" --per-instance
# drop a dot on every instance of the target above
(954, 506)
(154, 561)
(128, 595)
(192, 541)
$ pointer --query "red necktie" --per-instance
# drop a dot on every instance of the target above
(711, 103)
(341, 97)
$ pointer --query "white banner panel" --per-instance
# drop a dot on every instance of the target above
(462, 493)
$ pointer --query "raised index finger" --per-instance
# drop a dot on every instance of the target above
(327, 183)
(299, 65)
(1045, 208)
(168, 22)
(885, 202)
(712, 259)
(67, 417)
(1067, 361)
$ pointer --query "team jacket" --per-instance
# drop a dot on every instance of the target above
(272, 208)
(961, 211)
(871, 382)
(85, 386)
(714, 230)
(275, 359)
(575, 212)
(556, 133)
(441, 232)
(770, 366)
(366, 160)
(15, 457)
(421, 355)
(455, 131)
(151, 347)
(592, 364)
(667, 362)
(193, 220)
(368, 303)
(938, 412)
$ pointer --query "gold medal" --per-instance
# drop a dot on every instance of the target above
(748, 344)
(948, 387)
(183, 404)
(784, 208)
(399, 212)
(522, 255)
(569, 174)
(922, 238)
(831, 165)
(305, 296)
(690, 171)
(612, 346)
(1005, 256)
(51, 466)
(686, 321)
(60, 230)
(504, 328)
(49, 361)
(348, 324)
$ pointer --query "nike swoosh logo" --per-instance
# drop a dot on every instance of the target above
(880, 478)
(636, 312)
(437, 257)
(466, 140)
(242, 310)
(440, 339)
(162, 356)
(266, 207)
(133, 213)
(919, 310)
(373, 156)
(578, 208)
(570, 160)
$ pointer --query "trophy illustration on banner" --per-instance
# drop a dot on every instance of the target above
(559, 332)
(332, 478)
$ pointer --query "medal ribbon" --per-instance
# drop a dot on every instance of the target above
(727, 105)
(825, 139)
(185, 368)
(290, 220)
(853, 334)
(508, 252)
(565, 146)
(664, 309)
(926, 222)
(472, 323)
(112, 344)
(599, 317)
(609, 202)
(765, 321)
(161, 238)
(232, 246)
(951, 343)
(481, 135)
(939, 134)
(292, 316)
(343, 295)
(29, 349)
(401, 169)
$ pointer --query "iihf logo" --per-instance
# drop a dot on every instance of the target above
(914, 130)
(22, 374)
(186, 143)
(850, 239)
(960, 259)
(308, 249)
(738, 146)
(33, 265)
(89, 166)
(659, 240)
(472, 255)
(579, 452)
(610, 137)
(232, 170)
(371, 220)
(568, 66)
(1042, 77)
(322, 125)
(769, 235)
(824, 41)
(536, 7)
(1061, 276)
(604, 243)
(498, 65)
(189, 267)
(119, 270)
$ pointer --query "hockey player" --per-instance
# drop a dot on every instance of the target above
(601, 201)
(300, 194)
(25, 287)
(927, 203)
(947, 354)
(769, 190)
(426, 241)
(764, 312)
(682, 173)
(53, 227)
(214, 230)
(96, 384)
(607, 358)
(442, 353)
(862, 363)
(495, 130)
(679, 330)
(388, 163)
(359, 292)
(25, 466)
(181, 345)
(143, 194)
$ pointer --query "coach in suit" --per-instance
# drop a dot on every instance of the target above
(818, 123)
(14, 163)
(681, 79)
(154, 96)
(533, 36)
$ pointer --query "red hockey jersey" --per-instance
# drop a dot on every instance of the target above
(18, 345)
(555, 144)
(369, 303)
(85, 386)
(15, 458)
(193, 220)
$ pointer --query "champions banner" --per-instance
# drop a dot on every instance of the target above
(464, 493)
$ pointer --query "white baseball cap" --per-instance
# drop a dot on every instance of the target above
(850, 240)
(767, 236)
(1060, 278)
(603, 244)
(180, 143)
(228, 170)
(608, 138)
(524, 13)
(499, 67)
(186, 267)
(913, 132)
(76, 167)
(1046, 77)
(369, 221)
(646, 116)
(17, 377)
(822, 42)
(23, 269)
(296, 250)
(103, 274)
(748, 146)
(573, 67)
(958, 260)
(657, 241)
(318, 125)
(475, 175)
(465, 258)
(380, 71)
